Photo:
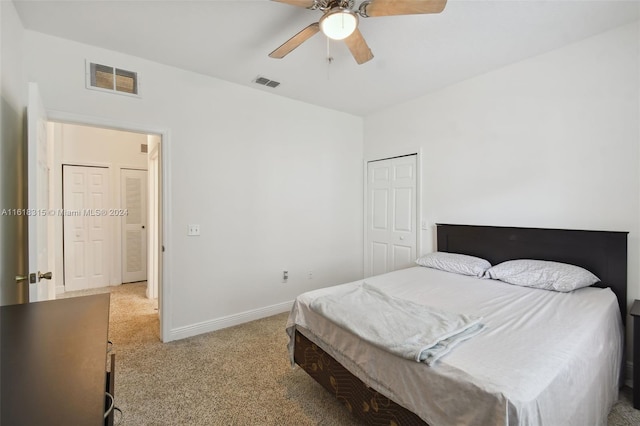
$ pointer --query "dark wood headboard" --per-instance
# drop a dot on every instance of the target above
(602, 252)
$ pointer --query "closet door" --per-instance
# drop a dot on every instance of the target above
(391, 230)
(134, 232)
(86, 227)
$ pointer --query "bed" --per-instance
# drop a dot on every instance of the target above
(545, 358)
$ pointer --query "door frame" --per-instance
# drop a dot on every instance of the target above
(155, 238)
(164, 296)
(386, 155)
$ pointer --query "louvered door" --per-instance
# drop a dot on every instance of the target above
(134, 224)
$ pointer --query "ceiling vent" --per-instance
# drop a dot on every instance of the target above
(266, 82)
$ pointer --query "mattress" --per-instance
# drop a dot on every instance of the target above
(545, 358)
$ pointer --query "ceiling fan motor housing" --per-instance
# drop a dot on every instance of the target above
(325, 5)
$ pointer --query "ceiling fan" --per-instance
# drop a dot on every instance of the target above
(340, 21)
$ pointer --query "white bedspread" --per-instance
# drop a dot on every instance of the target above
(545, 358)
(400, 326)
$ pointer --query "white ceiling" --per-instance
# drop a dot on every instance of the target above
(414, 54)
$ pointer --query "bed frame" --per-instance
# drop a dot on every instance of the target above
(601, 252)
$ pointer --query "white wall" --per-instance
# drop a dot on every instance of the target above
(13, 101)
(551, 141)
(274, 183)
(92, 146)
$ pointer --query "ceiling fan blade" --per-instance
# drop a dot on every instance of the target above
(295, 41)
(403, 7)
(358, 47)
(299, 3)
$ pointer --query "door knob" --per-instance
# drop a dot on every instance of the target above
(46, 276)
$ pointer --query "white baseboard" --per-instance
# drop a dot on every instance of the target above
(228, 321)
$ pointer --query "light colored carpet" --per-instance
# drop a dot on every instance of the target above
(237, 376)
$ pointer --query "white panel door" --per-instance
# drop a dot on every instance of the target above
(40, 285)
(391, 234)
(87, 223)
(134, 232)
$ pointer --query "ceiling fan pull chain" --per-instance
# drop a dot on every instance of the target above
(329, 58)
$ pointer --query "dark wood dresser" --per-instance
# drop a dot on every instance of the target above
(53, 358)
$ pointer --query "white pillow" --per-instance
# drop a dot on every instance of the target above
(453, 262)
(543, 274)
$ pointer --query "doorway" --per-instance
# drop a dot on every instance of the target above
(85, 155)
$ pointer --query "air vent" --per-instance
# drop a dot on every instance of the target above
(112, 79)
(266, 82)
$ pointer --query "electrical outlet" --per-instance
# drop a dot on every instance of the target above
(310, 275)
(285, 276)
(193, 230)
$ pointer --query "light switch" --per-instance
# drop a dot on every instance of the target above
(193, 230)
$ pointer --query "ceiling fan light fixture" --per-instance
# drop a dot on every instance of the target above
(339, 23)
